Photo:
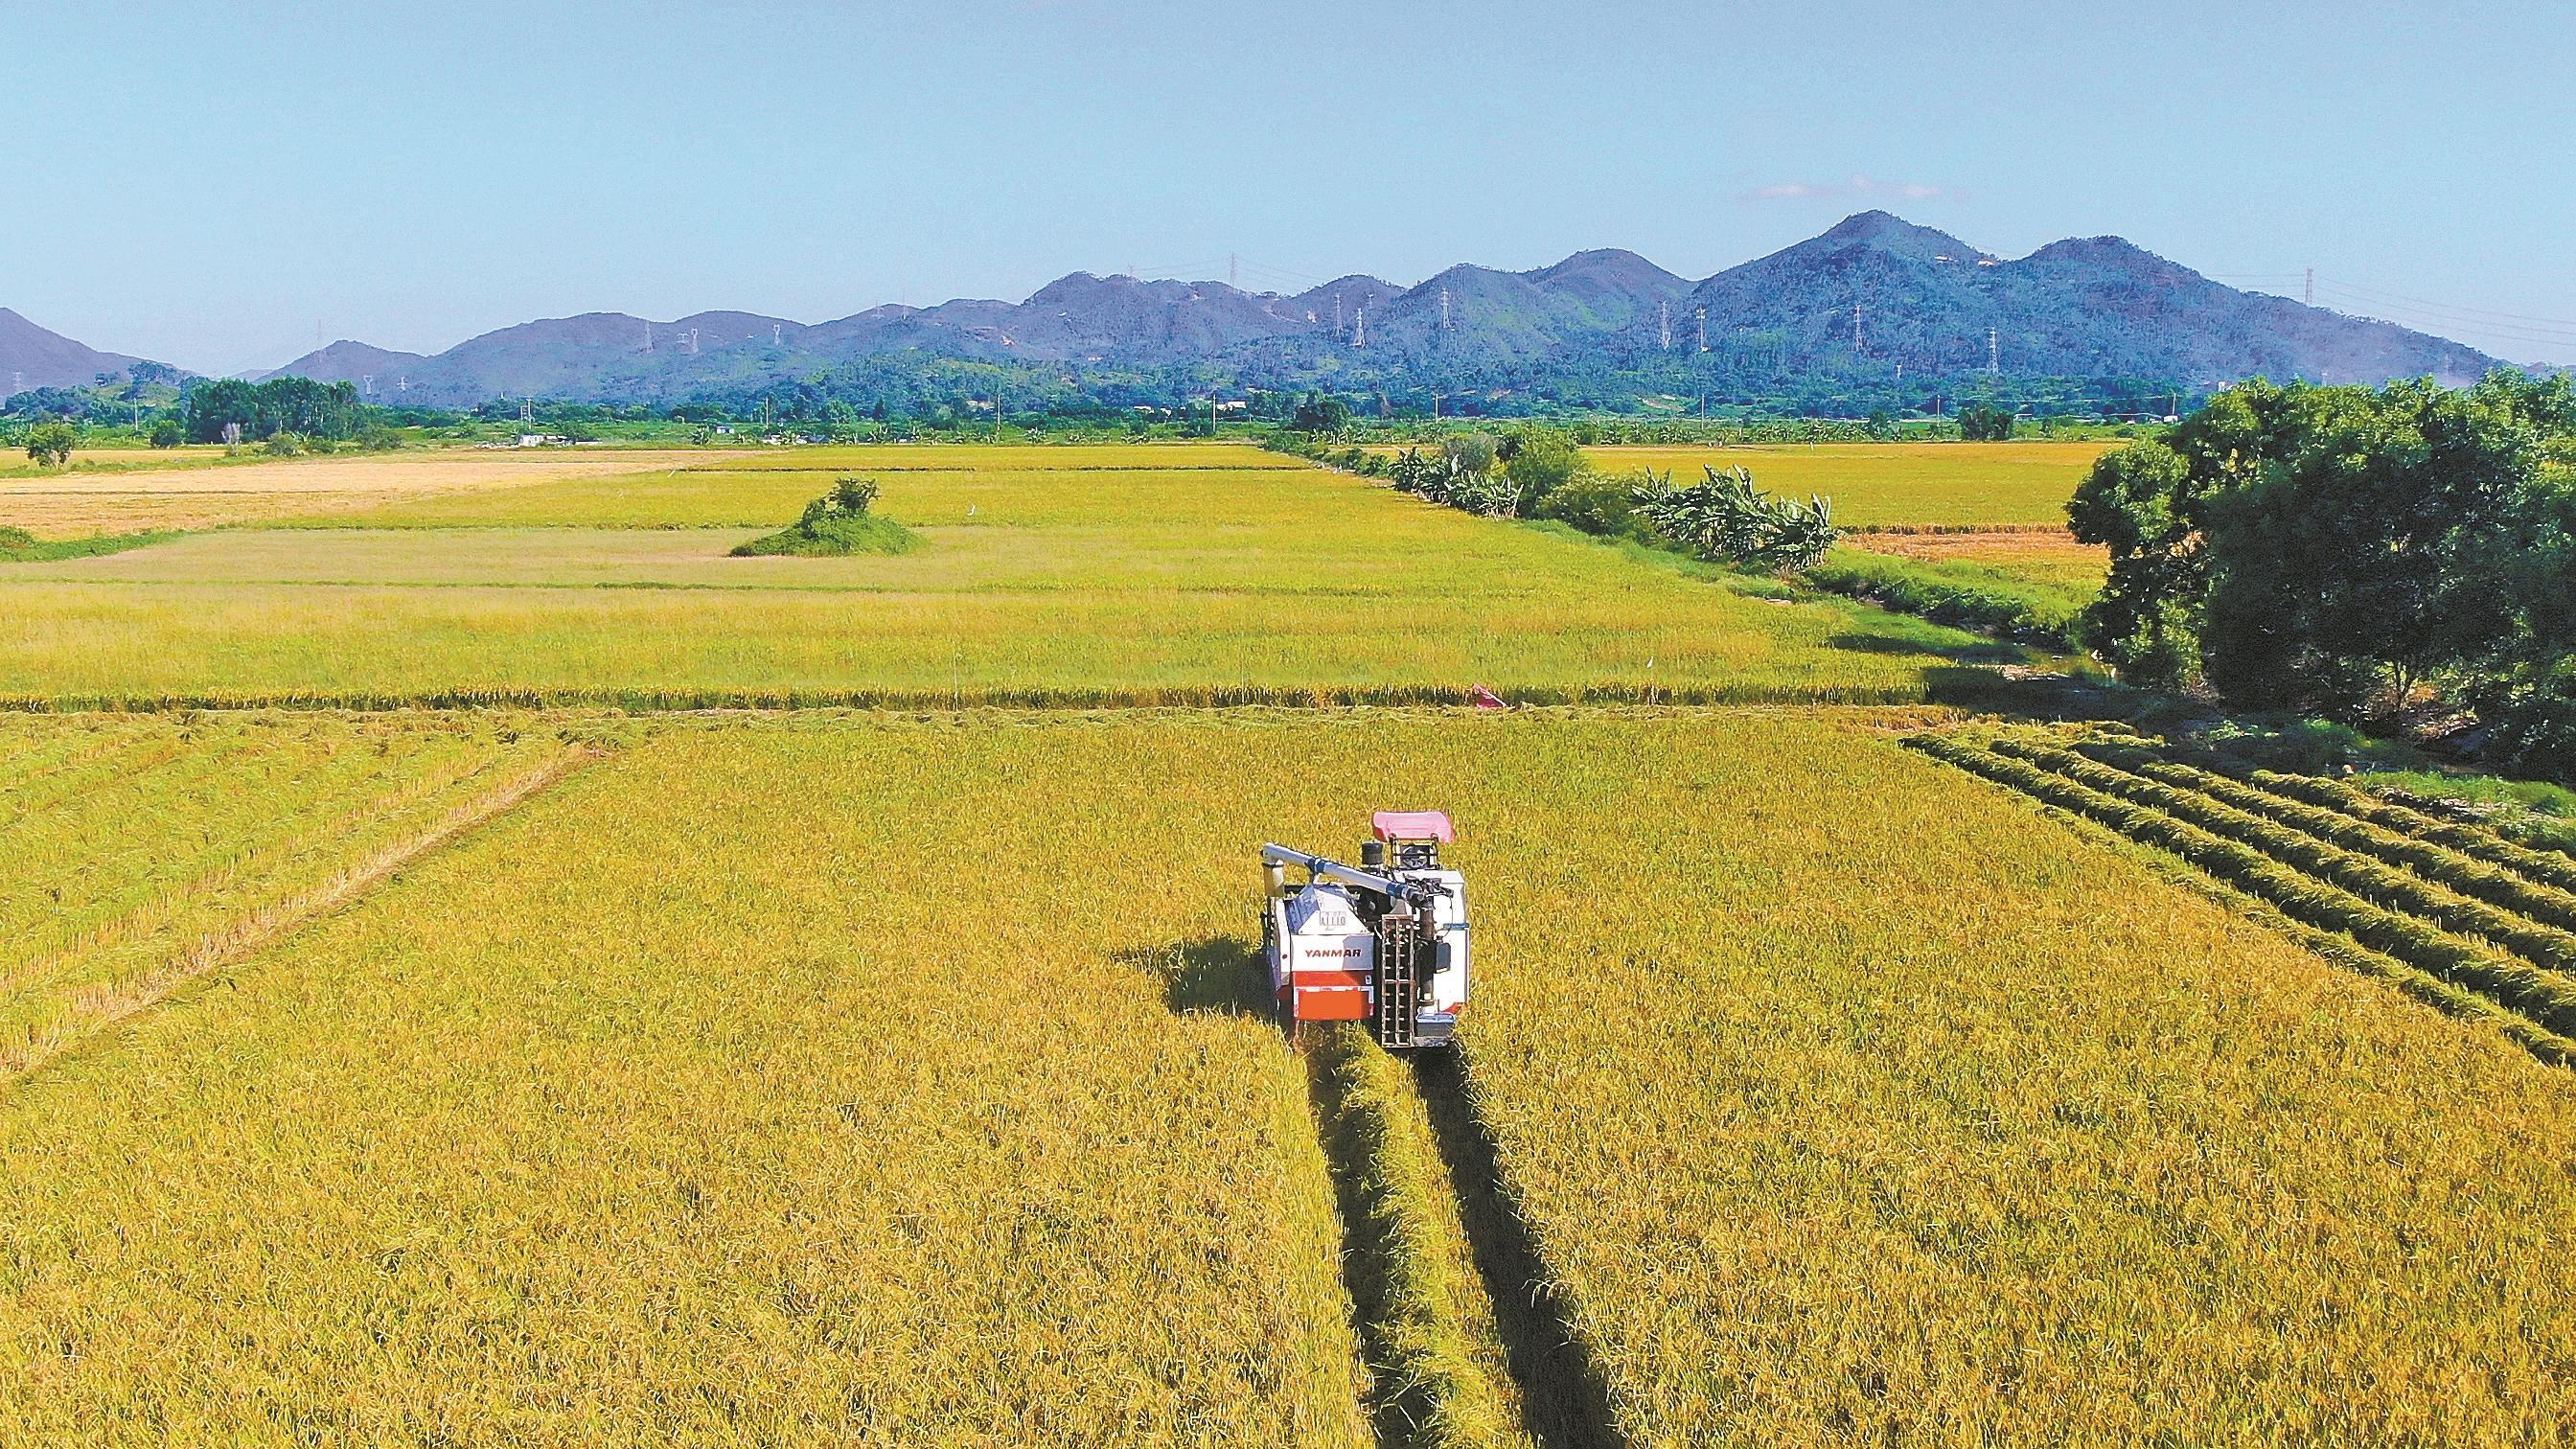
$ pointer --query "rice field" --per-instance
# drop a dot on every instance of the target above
(2027, 584)
(2457, 916)
(470, 1069)
(138, 852)
(1052, 580)
(614, 1121)
(1901, 487)
(1921, 1116)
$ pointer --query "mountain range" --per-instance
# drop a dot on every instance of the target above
(1873, 298)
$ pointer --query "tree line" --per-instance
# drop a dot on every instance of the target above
(2366, 554)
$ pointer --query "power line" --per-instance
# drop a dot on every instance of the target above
(2408, 316)
(2448, 306)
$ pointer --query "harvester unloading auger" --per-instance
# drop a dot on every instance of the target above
(1383, 942)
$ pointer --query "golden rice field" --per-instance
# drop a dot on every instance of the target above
(2019, 584)
(1907, 487)
(139, 852)
(1052, 579)
(620, 1123)
(469, 1075)
(1845, 1096)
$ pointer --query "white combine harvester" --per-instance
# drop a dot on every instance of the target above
(1383, 942)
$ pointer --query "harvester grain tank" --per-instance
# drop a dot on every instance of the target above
(1383, 943)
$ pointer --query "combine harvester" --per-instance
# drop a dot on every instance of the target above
(1382, 942)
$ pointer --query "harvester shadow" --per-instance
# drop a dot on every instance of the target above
(1221, 975)
(1565, 1396)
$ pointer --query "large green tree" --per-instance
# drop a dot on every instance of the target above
(51, 444)
(2337, 548)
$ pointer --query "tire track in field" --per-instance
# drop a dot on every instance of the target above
(238, 938)
(1466, 1344)
(1565, 1393)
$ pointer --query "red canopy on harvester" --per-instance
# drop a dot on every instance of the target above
(1393, 825)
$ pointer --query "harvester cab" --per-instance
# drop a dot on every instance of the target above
(1383, 942)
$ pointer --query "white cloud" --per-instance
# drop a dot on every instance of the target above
(1855, 188)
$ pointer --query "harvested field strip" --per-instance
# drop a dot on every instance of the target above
(2443, 865)
(2546, 998)
(1440, 1376)
(2543, 866)
(111, 984)
(1558, 1374)
(1953, 530)
(2372, 880)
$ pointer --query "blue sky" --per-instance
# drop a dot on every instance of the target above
(205, 184)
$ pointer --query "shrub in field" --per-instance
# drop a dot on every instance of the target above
(1724, 518)
(1597, 504)
(51, 444)
(1471, 452)
(837, 524)
(1543, 460)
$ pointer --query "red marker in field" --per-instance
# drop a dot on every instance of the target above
(1485, 698)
